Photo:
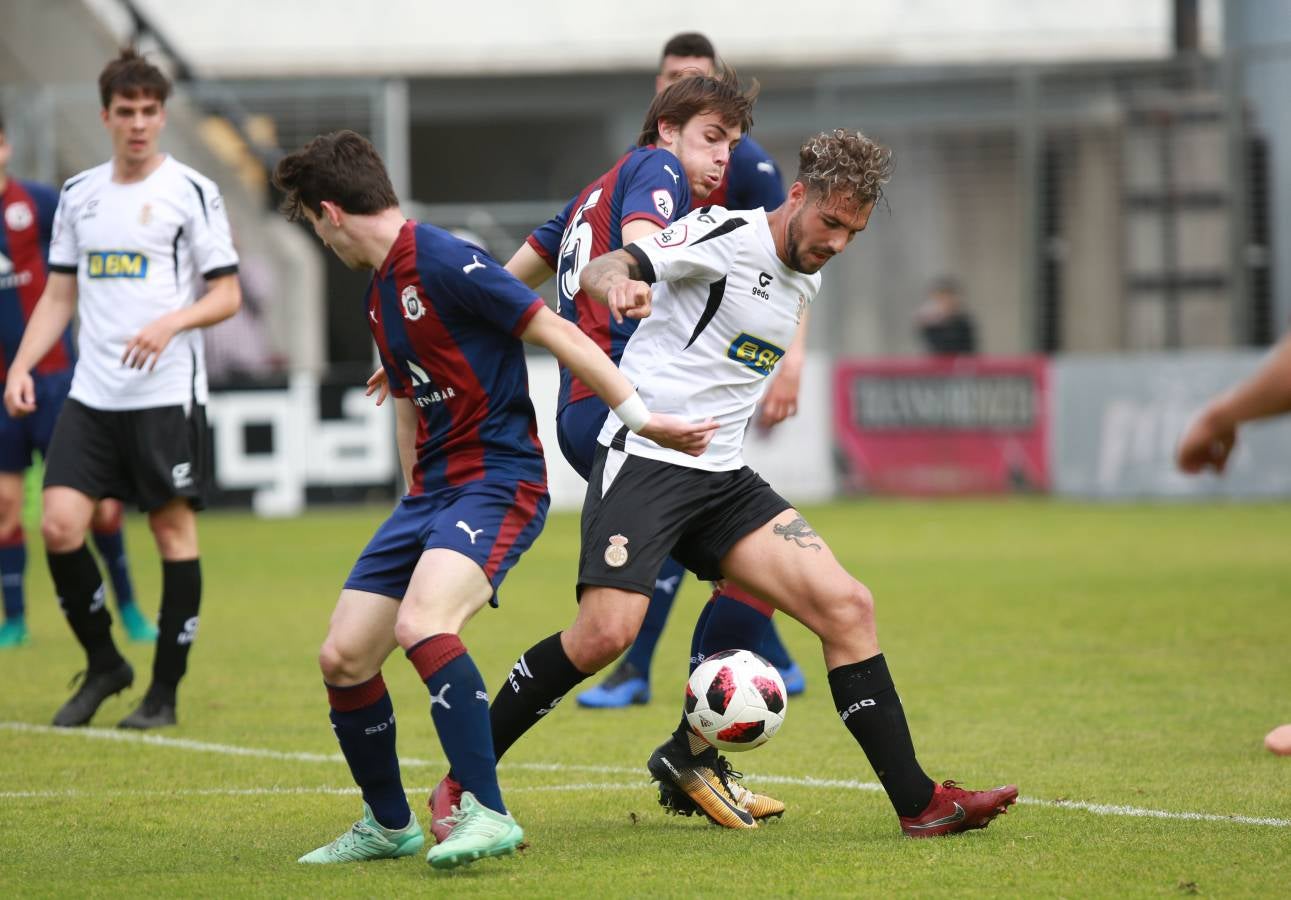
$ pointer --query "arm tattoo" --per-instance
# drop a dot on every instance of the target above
(799, 532)
(601, 272)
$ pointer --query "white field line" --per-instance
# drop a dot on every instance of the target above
(129, 737)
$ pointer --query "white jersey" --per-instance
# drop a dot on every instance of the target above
(725, 309)
(139, 251)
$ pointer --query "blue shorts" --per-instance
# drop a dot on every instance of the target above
(576, 429)
(492, 522)
(19, 437)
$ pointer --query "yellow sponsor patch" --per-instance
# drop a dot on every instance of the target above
(116, 264)
(755, 353)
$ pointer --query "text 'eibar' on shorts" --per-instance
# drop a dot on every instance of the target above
(148, 456)
(638, 511)
(491, 522)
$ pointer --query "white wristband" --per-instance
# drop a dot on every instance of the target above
(632, 412)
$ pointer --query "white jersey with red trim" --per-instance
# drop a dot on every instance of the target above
(725, 309)
(139, 251)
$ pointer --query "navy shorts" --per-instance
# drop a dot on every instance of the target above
(20, 437)
(577, 427)
(492, 522)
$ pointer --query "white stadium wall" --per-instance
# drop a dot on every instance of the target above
(329, 37)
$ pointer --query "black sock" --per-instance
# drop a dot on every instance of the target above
(84, 602)
(181, 596)
(540, 678)
(870, 708)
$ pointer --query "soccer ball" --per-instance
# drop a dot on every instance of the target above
(735, 700)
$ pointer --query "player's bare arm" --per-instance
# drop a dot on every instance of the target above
(588, 362)
(48, 321)
(1209, 438)
(222, 299)
(526, 265)
(781, 400)
(615, 280)
(405, 437)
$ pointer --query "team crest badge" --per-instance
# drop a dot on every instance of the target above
(802, 308)
(413, 308)
(616, 554)
(18, 216)
(145, 214)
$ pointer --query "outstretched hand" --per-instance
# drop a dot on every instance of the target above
(676, 433)
(628, 298)
(1207, 442)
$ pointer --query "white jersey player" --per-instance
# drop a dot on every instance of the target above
(728, 289)
(728, 309)
(141, 246)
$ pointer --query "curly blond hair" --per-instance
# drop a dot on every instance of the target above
(844, 163)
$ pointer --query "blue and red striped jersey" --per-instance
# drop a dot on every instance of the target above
(27, 217)
(446, 318)
(646, 183)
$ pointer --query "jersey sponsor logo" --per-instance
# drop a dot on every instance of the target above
(468, 269)
(616, 554)
(760, 290)
(116, 264)
(91, 209)
(424, 391)
(671, 237)
(413, 308)
(18, 215)
(757, 354)
(10, 278)
(663, 203)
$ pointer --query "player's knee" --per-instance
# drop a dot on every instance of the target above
(60, 534)
(10, 516)
(849, 609)
(340, 665)
(175, 537)
(596, 648)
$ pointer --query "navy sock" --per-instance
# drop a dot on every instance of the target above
(773, 649)
(363, 720)
(112, 547)
(13, 565)
(459, 705)
(697, 636)
(84, 603)
(868, 704)
(666, 585)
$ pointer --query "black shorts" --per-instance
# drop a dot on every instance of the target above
(149, 456)
(655, 509)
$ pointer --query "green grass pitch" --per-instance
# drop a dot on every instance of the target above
(1113, 661)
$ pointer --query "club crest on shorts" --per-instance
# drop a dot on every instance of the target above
(413, 308)
(616, 554)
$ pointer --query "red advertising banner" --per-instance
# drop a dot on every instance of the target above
(943, 425)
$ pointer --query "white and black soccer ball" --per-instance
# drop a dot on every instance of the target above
(735, 700)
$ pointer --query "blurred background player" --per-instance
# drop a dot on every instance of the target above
(141, 249)
(27, 217)
(448, 322)
(1208, 441)
(751, 179)
(946, 327)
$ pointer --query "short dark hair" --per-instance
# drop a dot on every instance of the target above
(131, 76)
(342, 167)
(683, 100)
(687, 44)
